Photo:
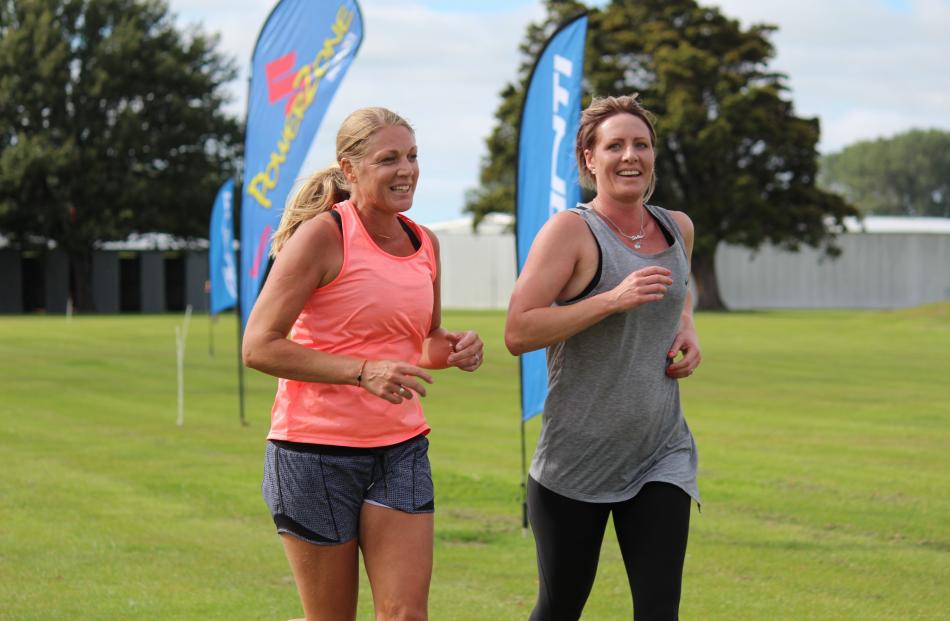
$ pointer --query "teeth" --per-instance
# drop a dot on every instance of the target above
(629, 173)
(400, 188)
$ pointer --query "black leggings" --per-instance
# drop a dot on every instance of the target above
(652, 529)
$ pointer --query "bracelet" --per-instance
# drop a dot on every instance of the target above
(359, 376)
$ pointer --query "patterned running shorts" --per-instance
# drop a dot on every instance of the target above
(315, 492)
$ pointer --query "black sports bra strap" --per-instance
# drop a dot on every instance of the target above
(670, 240)
(412, 234)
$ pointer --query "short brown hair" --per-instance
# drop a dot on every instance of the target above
(599, 110)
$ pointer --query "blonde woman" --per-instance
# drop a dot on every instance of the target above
(350, 320)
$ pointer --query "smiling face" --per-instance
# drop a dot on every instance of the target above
(386, 177)
(621, 159)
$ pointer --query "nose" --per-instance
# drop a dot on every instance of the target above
(629, 154)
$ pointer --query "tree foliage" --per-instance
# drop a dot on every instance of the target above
(497, 178)
(908, 174)
(111, 122)
(731, 153)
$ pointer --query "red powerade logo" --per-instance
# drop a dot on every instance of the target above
(299, 86)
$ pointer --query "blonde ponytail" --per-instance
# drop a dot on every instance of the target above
(322, 190)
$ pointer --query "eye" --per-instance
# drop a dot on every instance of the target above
(613, 146)
(413, 157)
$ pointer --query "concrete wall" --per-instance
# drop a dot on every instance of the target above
(196, 273)
(105, 281)
(152, 284)
(57, 281)
(11, 281)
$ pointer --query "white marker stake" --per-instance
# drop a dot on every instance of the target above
(181, 335)
(180, 358)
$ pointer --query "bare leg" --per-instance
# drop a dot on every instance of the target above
(327, 578)
(397, 553)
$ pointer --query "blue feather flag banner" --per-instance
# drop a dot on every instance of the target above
(222, 264)
(547, 169)
(300, 58)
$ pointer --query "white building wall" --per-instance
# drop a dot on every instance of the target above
(875, 270)
(887, 270)
(478, 271)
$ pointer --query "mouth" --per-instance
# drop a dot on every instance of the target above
(629, 173)
(401, 189)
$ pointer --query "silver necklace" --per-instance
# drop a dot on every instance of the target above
(634, 238)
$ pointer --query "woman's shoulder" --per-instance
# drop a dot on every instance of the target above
(569, 220)
(565, 236)
(681, 219)
(429, 233)
(323, 227)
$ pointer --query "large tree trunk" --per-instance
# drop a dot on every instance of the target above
(80, 286)
(704, 271)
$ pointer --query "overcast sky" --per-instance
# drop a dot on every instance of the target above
(865, 68)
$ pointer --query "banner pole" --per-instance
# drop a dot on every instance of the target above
(524, 484)
(237, 308)
(240, 366)
(211, 318)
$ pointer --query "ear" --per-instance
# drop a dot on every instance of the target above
(588, 160)
(349, 171)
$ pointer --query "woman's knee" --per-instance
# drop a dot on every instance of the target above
(395, 610)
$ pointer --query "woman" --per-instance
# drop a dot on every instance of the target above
(604, 289)
(355, 284)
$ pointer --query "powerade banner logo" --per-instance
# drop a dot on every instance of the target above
(301, 55)
(547, 168)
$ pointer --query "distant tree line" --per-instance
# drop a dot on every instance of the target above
(111, 122)
(906, 175)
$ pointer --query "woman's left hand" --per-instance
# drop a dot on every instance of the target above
(687, 342)
(467, 350)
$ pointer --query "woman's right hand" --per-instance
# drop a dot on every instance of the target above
(393, 380)
(646, 285)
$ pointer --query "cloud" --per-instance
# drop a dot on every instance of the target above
(865, 68)
(441, 69)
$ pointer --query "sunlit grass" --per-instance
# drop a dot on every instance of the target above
(824, 443)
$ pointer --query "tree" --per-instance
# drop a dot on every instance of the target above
(731, 152)
(497, 190)
(908, 174)
(111, 122)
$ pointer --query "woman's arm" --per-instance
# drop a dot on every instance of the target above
(559, 266)
(312, 258)
(441, 348)
(686, 341)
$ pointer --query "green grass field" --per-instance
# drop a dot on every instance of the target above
(824, 443)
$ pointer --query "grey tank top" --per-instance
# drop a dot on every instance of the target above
(612, 420)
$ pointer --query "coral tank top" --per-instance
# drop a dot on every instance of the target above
(378, 307)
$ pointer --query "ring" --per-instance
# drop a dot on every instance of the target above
(404, 392)
(478, 358)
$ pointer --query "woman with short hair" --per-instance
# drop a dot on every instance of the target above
(604, 289)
